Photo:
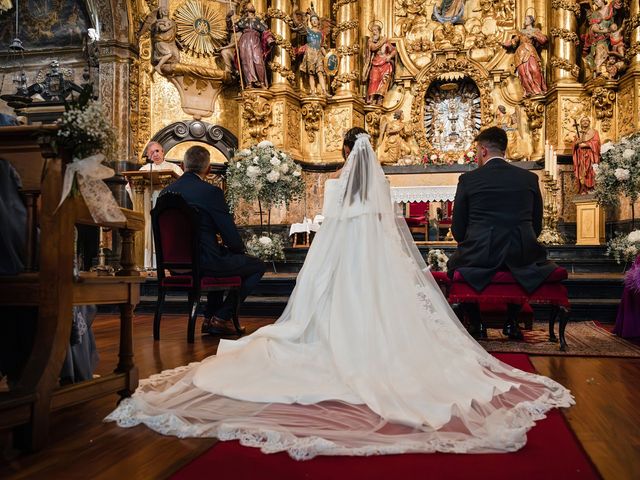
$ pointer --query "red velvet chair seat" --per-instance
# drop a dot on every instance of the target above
(414, 221)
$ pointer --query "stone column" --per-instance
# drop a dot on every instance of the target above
(564, 41)
(346, 32)
(282, 77)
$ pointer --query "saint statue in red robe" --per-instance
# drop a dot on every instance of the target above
(586, 154)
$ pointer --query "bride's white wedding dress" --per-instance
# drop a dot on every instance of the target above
(367, 358)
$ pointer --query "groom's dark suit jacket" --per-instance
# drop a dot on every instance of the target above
(214, 219)
(497, 217)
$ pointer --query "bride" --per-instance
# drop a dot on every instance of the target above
(367, 358)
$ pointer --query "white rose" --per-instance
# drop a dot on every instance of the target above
(253, 171)
(622, 174)
(266, 241)
(470, 154)
(284, 168)
(605, 148)
(296, 173)
(238, 165)
(628, 154)
(244, 152)
(634, 237)
(255, 160)
(275, 161)
(273, 176)
(265, 144)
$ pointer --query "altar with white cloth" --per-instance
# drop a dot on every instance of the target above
(426, 193)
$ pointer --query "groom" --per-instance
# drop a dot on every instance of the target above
(497, 218)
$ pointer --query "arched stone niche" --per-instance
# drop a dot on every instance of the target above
(469, 80)
(197, 131)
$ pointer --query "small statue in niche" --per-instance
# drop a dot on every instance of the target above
(527, 61)
(395, 141)
(254, 45)
(586, 154)
(451, 11)
(313, 58)
(165, 54)
(379, 65)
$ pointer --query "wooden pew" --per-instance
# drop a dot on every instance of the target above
(53, 288)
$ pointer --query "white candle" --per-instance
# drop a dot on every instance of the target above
(547, 156)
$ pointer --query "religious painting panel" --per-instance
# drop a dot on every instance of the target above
(46, 23)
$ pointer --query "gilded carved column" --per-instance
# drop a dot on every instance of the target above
(564, 25)
(282, 75)
(346, 35)
(634, 37)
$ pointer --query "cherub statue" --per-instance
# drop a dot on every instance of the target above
(163, 40)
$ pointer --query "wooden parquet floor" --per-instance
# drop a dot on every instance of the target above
(606, 418)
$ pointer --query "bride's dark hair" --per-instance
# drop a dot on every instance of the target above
(350, 138)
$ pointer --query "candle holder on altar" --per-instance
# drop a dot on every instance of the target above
(550, 234)
(102, 269)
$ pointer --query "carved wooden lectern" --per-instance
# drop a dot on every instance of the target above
(144, 184)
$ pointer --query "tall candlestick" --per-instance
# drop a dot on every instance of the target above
(554, 172)
(546, 156)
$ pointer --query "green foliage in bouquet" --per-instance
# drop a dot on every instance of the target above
(266, 247)
(624, 247)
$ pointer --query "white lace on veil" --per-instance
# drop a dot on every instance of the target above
(367, 358)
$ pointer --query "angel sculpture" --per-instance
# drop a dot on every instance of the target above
(164, 42)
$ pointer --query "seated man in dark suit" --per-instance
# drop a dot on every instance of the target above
(497, 218)
(215, 259)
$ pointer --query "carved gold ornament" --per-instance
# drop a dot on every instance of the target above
(563, 64)
(201, 29)
(569, 5)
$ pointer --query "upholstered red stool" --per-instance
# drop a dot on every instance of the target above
(443, 281)
(504, 289)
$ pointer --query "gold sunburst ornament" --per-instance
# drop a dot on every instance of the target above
(201, 28)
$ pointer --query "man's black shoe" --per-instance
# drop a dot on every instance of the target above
(513, 332)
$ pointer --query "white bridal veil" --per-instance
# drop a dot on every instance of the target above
(367, 358)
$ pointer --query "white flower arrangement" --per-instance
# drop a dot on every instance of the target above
(266, 247)
(265, 174)
(84, 130)
(437, 260)
(618, 171)
(624, 247)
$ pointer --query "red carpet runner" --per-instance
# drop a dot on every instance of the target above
(552, 452)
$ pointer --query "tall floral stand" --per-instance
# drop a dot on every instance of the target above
(628, 319)
(589, 221)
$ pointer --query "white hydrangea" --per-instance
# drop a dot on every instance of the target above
(253, 171)
(238, 165)
(275, 161)
(634, 237)
(284, 168)
(265, 144)
(622, 174)
(296, 173)
(596, 168)
(256, 160)
(265, 241)
(605, 148)
(628, 154)
(273, 176)
(245, 152)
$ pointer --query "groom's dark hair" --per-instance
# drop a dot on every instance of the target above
(350, 138)
(493, 138)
